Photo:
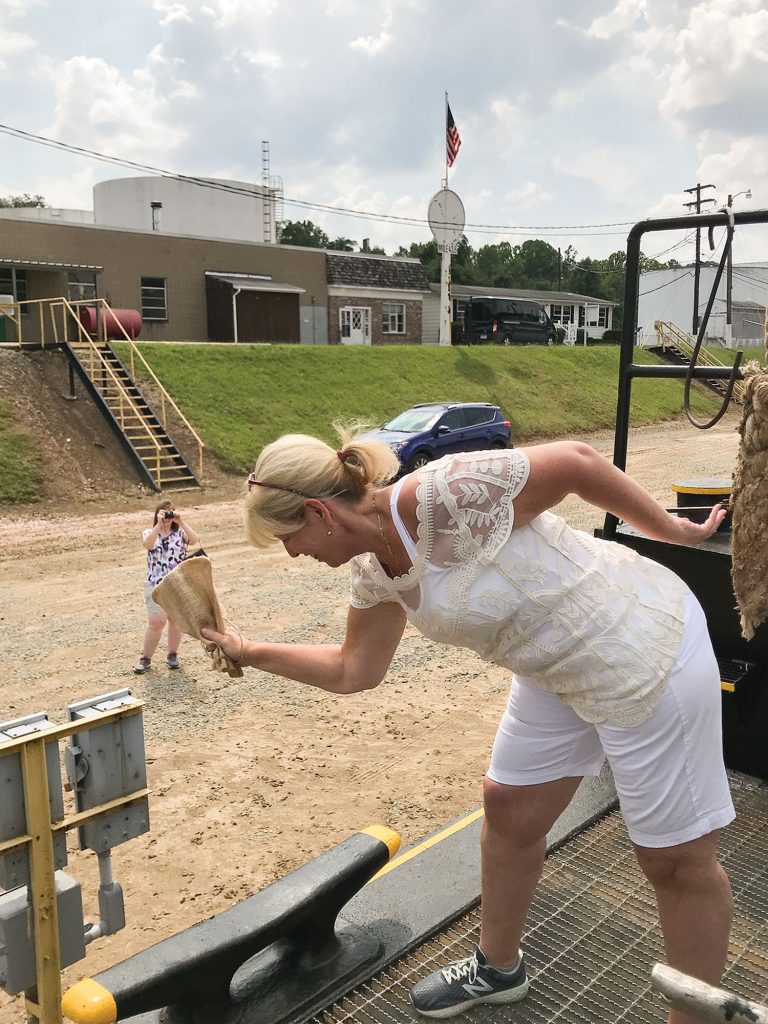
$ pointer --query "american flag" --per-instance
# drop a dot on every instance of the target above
(452, 140)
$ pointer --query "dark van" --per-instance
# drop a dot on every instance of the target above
(489, 321)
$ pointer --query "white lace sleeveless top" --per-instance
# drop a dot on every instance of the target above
(587, 619)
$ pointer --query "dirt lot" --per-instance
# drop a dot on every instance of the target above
(252, 777)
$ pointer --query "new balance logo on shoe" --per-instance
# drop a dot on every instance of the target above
(466, 983)
(479, 988)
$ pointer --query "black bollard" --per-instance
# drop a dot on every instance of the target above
(291, 924)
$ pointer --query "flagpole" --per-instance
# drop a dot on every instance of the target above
(445, 119)
(444, 337)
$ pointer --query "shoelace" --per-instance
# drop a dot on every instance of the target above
(462, 969)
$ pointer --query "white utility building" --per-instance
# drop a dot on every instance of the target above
(668, 295)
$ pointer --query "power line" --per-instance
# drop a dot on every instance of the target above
(688, 273)
(577, 229)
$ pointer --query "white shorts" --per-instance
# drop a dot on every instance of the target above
(153, 608)
(668, 771)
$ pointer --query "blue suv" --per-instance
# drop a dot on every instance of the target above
(426, 432)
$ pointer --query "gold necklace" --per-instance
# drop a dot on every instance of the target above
(393, 560)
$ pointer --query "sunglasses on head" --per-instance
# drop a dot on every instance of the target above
(253, 482)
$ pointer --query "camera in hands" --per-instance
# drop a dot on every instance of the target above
(168, 515)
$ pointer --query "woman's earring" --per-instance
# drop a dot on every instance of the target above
(330, 532)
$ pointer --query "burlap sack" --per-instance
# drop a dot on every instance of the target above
(188, 596)
(749, 504)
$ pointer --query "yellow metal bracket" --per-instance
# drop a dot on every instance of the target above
(43, 1002)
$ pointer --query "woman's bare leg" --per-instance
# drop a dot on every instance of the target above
(155, 623)
(513, 846)
(695, 908)
(174, 637)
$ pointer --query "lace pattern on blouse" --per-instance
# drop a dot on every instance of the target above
(587, 619)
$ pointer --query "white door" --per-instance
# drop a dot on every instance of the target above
(355, 324)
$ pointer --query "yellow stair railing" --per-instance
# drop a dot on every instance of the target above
(669, 335)
(59, 313)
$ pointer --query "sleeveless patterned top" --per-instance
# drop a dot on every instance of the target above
(590, 620)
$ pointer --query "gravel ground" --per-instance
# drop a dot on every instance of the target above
(252, 777)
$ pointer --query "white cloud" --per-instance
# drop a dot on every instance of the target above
(16, 8)
(529, 194)
(564, 99)
(359, 118)
(376, 44)
(622, 17)
(70, 191)
(614, 169)
(721, 55)
(267, 59)
(229, 13)
(171, 11)
(129, 117)
(373, 45)
(11, 45)
(735, 166)
(508, 117)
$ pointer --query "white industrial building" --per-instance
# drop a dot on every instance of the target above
(237, 211)
(205, 207)
(667, 295)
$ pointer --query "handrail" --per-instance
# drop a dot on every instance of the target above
(103, 365)
(670, 334)
(103, 310)
(134, 350)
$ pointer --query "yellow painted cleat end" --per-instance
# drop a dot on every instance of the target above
(88, 1002)
(388, 836)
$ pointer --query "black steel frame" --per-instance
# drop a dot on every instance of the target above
(629, 370)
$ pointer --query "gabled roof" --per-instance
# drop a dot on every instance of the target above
(364, 271)
(462, 291)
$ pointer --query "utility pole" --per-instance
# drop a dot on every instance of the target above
(559, 270)
(698, 188)
(729, 275)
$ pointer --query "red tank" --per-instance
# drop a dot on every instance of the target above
(112, 320)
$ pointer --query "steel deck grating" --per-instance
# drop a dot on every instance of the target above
(592, 936)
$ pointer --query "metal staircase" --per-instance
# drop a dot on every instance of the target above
(676, 346)
(141, 430)
(161, 463)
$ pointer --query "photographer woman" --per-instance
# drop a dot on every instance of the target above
(166, 543)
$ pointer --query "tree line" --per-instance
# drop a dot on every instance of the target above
(533, 264)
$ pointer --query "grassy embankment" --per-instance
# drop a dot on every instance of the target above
(20, 478)
(240, 398)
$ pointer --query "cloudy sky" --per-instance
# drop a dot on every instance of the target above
(570, 113)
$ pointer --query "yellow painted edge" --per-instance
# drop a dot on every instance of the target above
(728, 687)
(88, 1002)
(680, 489)
(388, 836)
(438, 837)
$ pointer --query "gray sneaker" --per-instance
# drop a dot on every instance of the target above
(172, 661)
(467, 983)
(142, 665)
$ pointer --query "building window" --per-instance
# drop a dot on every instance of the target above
(81, 286)
(14, 282)
(154, 301)
(562, 314)
(393, 318)
(602, 316)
